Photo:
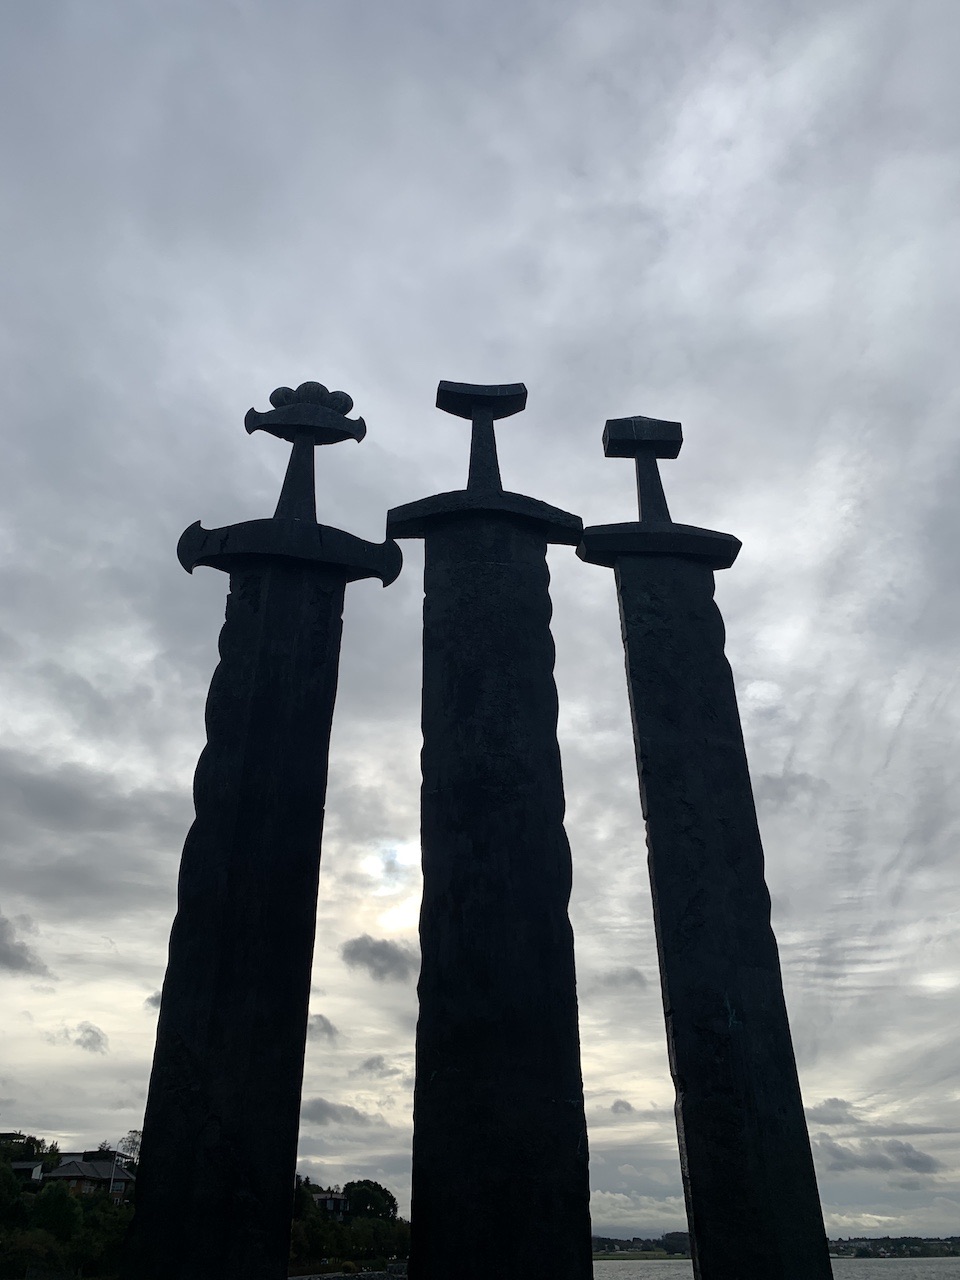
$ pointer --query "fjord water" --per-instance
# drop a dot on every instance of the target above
(843, 1269)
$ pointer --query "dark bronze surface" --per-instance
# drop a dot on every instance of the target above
(500, 1166)
(218, 1158)
(751, 1193)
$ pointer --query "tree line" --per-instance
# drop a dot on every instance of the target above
(45, 1228)
(370, 1234)
(670, 1244)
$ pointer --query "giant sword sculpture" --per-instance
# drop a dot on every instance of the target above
(217, 1163)
(500, 1179)
(751, 1193)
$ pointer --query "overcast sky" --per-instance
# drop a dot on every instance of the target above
(742, 216)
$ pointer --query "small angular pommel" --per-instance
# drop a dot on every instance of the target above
(466, 399)
(633, 437)
(309, 410)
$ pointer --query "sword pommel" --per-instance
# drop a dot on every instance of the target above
(632, 437)
(309, 410)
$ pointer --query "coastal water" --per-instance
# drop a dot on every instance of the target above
(843, 1269)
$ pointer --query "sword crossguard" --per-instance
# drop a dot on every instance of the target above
(655, 534)
(645, 440)
(306, 417)
(483, 405)
(484, 494)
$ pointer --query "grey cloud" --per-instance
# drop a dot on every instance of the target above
(152, 1002)
(320, 1027)
(70, 798)
(910, 1130)
(626, 976)
(376, 1066)
(621, 1107)
(85, 1035)
(383, 960)
(92, 709)
(10, 649)
(873, 1153)
(365, 815)
(16, 955)
(320, 1111)
(312, 1169)
(88, 1036)
(787, 787)
(81, 845)
(833, 1111)
(771, 181)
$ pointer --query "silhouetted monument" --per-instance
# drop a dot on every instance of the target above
(217, 1163)
(751, 1193)
(500, 1177)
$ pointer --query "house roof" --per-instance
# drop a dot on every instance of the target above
(25, 1164)
(93, 1170)
(90, 1154)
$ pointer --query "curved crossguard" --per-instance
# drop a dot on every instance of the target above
(484, 494)
(482, 405)
(645, 440)
(309, 416)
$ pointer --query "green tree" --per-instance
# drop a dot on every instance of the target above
(51, 1157)
(676, 1242)
(24, 1249)
(303, 1205)
(28, 1147)
(97, 1245)
(373, 1233)
(368, 1199)
(12, 1210)
(130, 1145)
(57, 1211)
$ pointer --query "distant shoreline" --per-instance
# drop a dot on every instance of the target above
(640, 1255)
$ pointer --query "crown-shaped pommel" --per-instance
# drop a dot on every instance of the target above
(467, 400)
(636, 437)
(309, 410)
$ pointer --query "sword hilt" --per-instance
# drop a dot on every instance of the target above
(645, 440)
(306, 417)
(655, 534)
(483, 405)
